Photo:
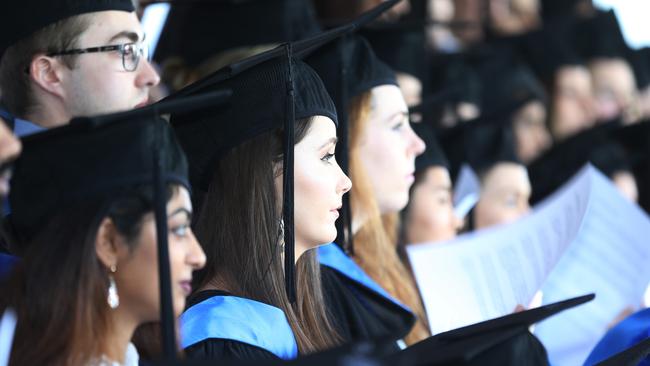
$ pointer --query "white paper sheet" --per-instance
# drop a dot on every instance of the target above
(610, 257)
(584, 238)
(487, 273)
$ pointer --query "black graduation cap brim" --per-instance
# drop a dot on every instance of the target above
(632, 356)
(20, 20)
(555, 166)
(466, 343)
(276, 21)
(79, 160)
(483, 141)
(433, 155)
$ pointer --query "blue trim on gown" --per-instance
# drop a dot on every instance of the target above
(627, 333)
(239, 319)
(332, 255)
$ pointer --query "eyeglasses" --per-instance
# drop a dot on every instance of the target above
(131, 53)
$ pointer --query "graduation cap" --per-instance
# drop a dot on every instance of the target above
(557, 165)
(348, 68)
(20, 20)
(501, 341)
(402, 48)
(600, 36)
(433, 155)
(549, 49)
(482, 142)
(192, 25)
(270, 90)
(552, 9)
(510, 82)
(97, 157)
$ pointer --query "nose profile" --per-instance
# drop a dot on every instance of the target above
(147, 75)
(196, 256)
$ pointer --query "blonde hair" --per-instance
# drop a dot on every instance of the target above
(375, 243)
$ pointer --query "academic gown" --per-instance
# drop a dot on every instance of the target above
(218, 325)
(360, 308)
(634, 329)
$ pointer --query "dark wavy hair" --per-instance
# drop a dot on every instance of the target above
(238, 227)
(59, 287)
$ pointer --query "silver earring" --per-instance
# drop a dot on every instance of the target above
(113, 297)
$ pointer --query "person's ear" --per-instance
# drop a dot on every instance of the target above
(48, 73)
(106, 243)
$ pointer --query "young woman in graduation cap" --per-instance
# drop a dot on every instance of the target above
(83, 223)
(259, 162)
(429, 216)
(382, 149)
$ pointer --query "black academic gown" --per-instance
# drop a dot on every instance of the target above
(223, 348)
(359, 308)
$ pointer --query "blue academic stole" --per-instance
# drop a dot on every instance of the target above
(238, 319)
(7, 263)
(634, 329)
(332, 255)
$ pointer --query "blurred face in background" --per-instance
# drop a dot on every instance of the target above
(573, 107)
(431, 215)
(531, 134)
(505, 195)
(388, 147)
(614, 87)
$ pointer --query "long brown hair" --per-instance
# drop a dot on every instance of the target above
(59, 287)
(375, 243)
(238, 226)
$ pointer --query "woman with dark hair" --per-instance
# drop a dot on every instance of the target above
(277, 134)
(84, 227)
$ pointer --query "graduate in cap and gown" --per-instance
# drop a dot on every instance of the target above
(70, 59)
(94, 204)
(361, 308)
(487, 144)
(269, 190)
(429, 215)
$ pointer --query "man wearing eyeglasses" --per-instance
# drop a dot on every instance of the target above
(63, 59)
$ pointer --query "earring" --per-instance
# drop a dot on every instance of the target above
(113, 297)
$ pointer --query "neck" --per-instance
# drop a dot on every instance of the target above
(123, 326)
(48, 115)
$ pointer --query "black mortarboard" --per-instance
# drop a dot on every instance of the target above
(501, 341)
(510, 82)
(267, 94)
(433, 155)
(562, 161)
(482, 142)
(270, 90)
(548, 49)
(402, 48)
(20, 20)
(552, 9)
(600, 36)
(96, 157)
(348, 68)
(192, 25)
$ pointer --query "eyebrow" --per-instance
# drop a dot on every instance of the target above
(332, 140)
(131, 35)
(179, 211)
